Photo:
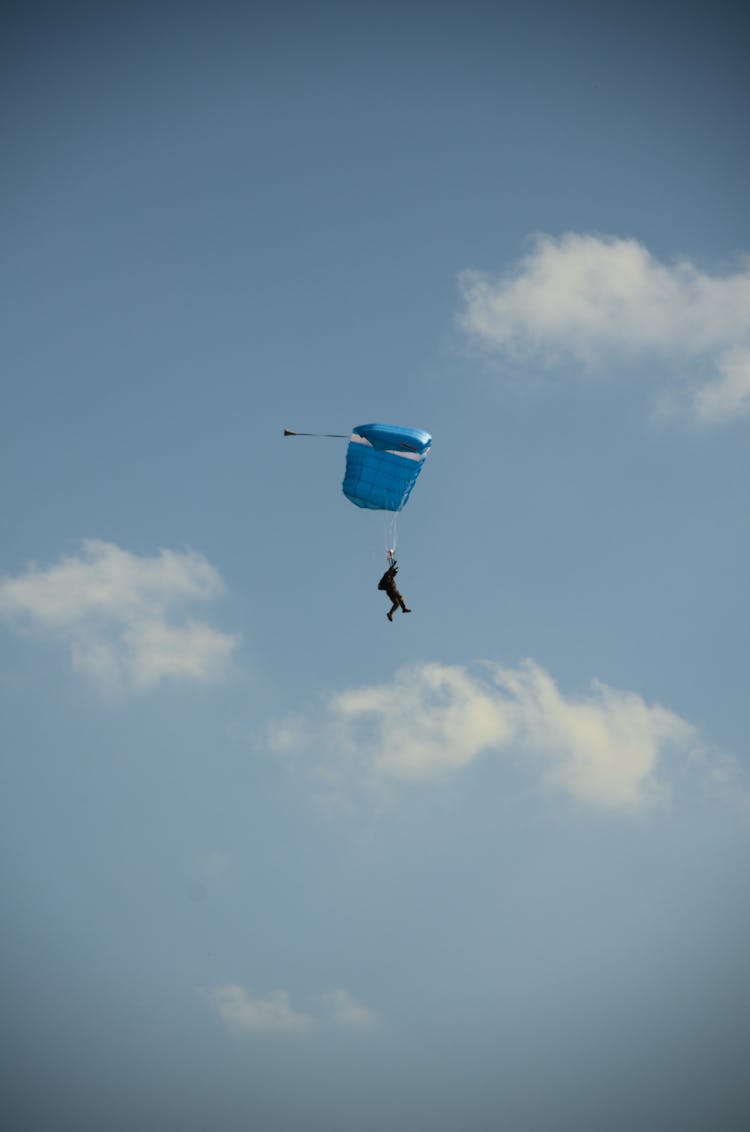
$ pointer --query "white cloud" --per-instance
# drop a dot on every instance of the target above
(590, 299)
(345, 1011)
(274, 1013)
(429, 719)
(287, 734)
(729, 394)
(193, 651)
(605, 748)
(115, 611)
(270, 1015)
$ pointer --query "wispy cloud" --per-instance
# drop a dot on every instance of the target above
(274, 1013)
(122, 616)
(590, 299)
(344, 1010)
(606, 748)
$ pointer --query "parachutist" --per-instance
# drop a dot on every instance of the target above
(388, 583)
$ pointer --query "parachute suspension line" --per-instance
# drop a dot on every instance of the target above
(390, 522)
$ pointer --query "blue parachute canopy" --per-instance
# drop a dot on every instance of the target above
(382, 465)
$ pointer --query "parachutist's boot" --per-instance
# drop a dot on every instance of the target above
(389, 614)
(406, 610)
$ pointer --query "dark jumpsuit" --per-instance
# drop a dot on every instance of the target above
(388, 583)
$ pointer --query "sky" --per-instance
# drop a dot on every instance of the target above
(268, 861)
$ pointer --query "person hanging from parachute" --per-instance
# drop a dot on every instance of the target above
(382, 465)
(388, 583)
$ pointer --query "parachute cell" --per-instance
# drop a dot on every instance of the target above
(382, 465)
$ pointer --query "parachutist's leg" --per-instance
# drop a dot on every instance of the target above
(392, 610)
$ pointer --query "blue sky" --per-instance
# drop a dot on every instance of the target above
(270, 861)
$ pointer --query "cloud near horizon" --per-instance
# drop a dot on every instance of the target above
(592, 300)
(270, 1014)
(344, 1010)
(605, 748)
(123, 617)
(274, 1013)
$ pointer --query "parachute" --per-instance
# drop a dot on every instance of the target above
(382, 465)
